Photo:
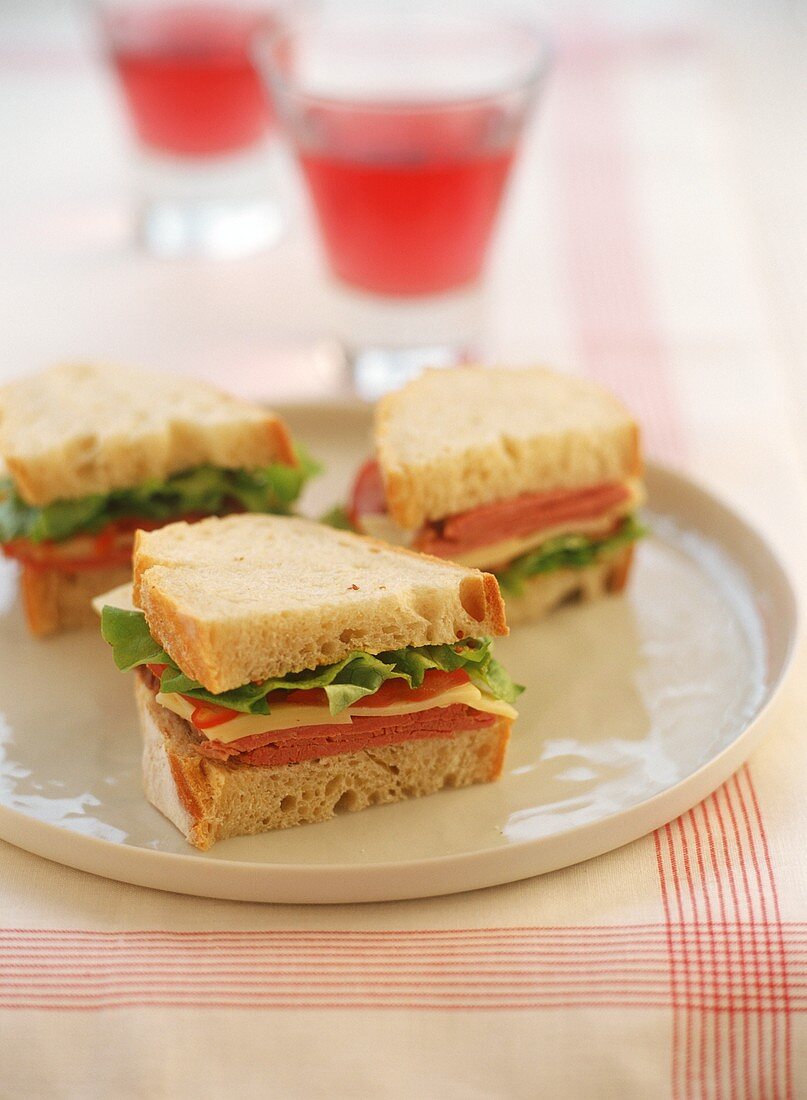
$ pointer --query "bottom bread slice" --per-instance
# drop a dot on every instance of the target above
(56, 601)
(547, 591)
(209, 800)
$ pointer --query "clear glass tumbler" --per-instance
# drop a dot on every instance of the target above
(202, 119)
(406, 128)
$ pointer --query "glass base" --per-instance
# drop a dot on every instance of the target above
(377, 370)
(223, 208)
(391, 340)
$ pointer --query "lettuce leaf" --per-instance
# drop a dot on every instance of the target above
(344, 682)
(566, 552)
(208, 489)
(337, 517)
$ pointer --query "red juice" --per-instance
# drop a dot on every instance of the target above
(406, 203)
(188, 77)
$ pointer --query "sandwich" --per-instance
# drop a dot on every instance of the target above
(91, 453)
(532, 475)
(286, 672)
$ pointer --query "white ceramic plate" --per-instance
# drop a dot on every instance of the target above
(637, 707)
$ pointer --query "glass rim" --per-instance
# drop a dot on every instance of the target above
(528, 80)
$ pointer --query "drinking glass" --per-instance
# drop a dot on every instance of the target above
(406, 128)
(202, 119)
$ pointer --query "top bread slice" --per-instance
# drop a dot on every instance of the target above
(84, 428)
(454, 439)
(250, 597)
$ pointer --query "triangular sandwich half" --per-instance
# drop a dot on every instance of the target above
(287, 672)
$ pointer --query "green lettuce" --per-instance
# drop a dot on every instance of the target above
(344, 682)
(208, 489)
(339, 518)
(566, 552)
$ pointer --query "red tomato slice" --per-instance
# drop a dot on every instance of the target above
(207, 715)
(157, 670)
(435, 682)
(367, 497)
(112, 545)
(313, 697)
(66, 558)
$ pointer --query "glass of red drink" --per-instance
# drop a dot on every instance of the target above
(406, 129)
(202, 119)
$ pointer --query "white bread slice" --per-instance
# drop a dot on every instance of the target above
(85, 428)
(454, 439)
(545, 592)
(56, 601)
(248, 597)
(209, 800)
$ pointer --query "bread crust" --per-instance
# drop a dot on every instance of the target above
(209, 800)
(495, 607)
(251, 597)
(85, 428)
(620, 572)
(546, 592)
(635, 455)
(452, 440)
(56, 601)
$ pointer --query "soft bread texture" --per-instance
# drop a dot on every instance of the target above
(88, 428)
(208, 800)
(454, 439)
(546, 592)
(250, 597)
(56, 601)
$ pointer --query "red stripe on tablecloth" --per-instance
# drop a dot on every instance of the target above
(645, 934)
(699, 1022)
(443, 1006)
(737, 934)
(266, 982)
(346, 997)
(747, 979)
(751, 840)
(712, 805)
(787, 1073)
(714, 967)
(745, 1022)
(383, 999)
(671, 952)
(480, 966)
(76, 969)
(681, 1026)
(686, 824)
(339, 997)
(780, 1066)
(755, 973)
(730, 1028)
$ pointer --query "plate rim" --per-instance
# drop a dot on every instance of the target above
(351, 883)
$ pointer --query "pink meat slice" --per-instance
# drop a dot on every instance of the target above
(311, 742)
(523, 515)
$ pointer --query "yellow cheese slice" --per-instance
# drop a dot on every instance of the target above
(286, 716)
